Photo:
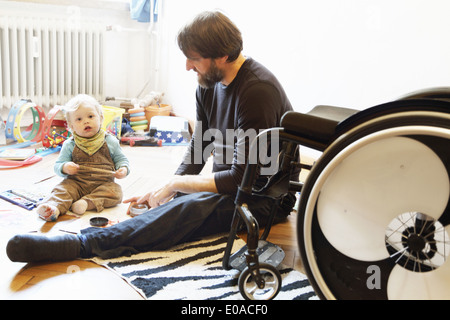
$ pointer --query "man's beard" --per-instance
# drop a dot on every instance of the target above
(211, 77)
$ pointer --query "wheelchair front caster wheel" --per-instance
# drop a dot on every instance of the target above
(267, 289)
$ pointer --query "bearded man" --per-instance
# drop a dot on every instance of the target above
(236, 94)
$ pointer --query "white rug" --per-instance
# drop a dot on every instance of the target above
(193, 271)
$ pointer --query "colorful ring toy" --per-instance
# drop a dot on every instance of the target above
(137, 110)
(138, 123)
(138, 118)
(12, 118)
(137, 114)
(13, 128)
(138, 128)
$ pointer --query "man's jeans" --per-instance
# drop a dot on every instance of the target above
(183, 219)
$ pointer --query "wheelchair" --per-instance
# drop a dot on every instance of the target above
(374, 211)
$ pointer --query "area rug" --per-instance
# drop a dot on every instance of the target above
(193, 271)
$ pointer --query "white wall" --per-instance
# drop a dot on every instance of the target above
(352, 53)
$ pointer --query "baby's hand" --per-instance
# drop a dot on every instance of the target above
(70, 168)
(121, 173)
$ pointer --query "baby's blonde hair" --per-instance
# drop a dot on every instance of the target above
(81, 99)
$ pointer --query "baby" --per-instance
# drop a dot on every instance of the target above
(89, 161)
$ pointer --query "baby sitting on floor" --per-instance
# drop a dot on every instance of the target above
(89, 161)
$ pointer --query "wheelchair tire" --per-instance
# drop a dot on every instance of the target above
(249, 288)
(345, 220)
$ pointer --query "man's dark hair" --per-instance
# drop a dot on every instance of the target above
(211, 35)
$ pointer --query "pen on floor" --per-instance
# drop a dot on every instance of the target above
(45, 179)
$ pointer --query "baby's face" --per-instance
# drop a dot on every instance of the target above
(85, 121)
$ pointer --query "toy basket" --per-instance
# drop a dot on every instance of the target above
(157, 110)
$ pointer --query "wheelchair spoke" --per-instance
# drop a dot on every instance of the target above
(402, 252)
(253, 289)
(419, 243)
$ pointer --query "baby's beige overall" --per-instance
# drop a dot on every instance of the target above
(93, 186)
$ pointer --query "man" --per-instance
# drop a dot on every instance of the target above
(236, 94)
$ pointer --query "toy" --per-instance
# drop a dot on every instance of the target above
(18, 163)
(136, 209)
(112, 120)
(18, 145)
(21, 163)
(42, 152)
(138, 121)
(170, 130)
(157, 110)
(151, 141)
(93, 169)
(141, 140)
(51, 122)
(22, 198)
(51, 138)
(150, 99)
(13, 122)
(49, 130)
(17, 200)
(17, 154)
(55, 139)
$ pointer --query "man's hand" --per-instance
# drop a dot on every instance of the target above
(184, 184)
(155, 198)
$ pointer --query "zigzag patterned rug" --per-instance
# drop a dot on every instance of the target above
(193, 271)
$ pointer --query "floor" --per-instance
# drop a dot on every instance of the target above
(81, 279)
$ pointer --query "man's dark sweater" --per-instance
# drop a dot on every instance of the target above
(252, 102)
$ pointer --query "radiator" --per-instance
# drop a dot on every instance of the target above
(49, 60)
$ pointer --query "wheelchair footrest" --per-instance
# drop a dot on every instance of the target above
(267, 252)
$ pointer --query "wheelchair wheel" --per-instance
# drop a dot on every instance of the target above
(250, 290)
(374, 212)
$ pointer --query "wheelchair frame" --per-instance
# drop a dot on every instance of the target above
(329, 130)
